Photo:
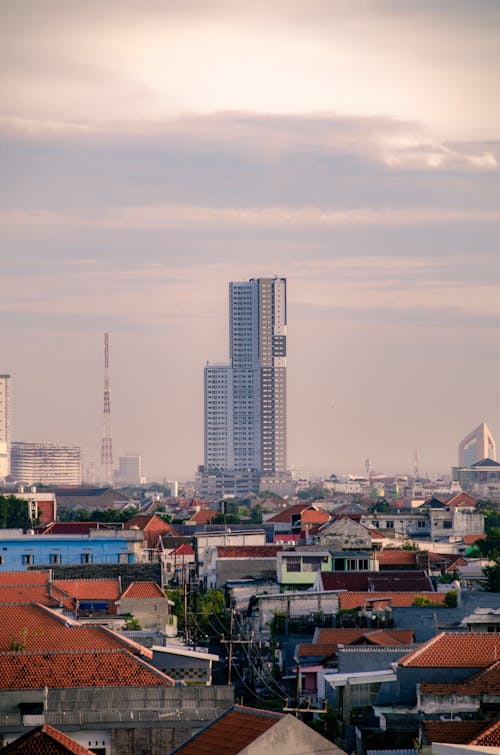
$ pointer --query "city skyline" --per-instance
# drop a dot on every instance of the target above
(351, 147)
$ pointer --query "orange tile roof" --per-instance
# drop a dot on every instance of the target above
(452, 732)
(144, 590)
(231, 732)
(350, 600)
(286, 516)
(183, 550)
(60, 670)
(378, 636)
(26, 594)
(490, 737)
(397, 556)
(204, 516)
(316, 649)
(40, 629)
(145, 521)
(47, 741)
(88, 589)
(484, 682)
(24, 578)
(455, 650)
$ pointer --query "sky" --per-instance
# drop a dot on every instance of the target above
(153, 151)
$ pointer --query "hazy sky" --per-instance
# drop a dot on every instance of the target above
(153, 151)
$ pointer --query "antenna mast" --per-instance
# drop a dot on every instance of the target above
(106, 444)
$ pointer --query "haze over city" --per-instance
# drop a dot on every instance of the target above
(154, 152)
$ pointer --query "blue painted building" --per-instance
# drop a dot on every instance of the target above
(18, 551)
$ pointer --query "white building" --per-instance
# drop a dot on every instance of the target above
(5, 427)
(46, 463)
(129, 470)
(245, 400)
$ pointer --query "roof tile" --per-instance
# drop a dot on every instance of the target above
(455, 650)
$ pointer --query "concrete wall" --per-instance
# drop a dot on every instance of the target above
(151, 613)
(289, 736)
(240, 568)
(128, 573)
(408, 678)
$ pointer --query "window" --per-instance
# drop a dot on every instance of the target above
(292, 564)
(55, 558)
(421, 525)
(1, 560)
(27, 559)
(389, 524)
(310, 563)
(86, 558)
(447, 525)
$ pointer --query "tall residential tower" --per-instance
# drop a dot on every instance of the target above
(245, 400)
(4, 425)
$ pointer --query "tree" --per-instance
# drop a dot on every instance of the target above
(451, 599)
(15, 513)
(492, 574)
(312, 493)
(422, 600)
(381, 506)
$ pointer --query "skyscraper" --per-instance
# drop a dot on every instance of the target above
(478, 445)
(5, 429)
(46, 463)
(245, 400)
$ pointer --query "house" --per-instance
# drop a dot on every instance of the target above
(87, 597)
(374, 581)
(194, 667)
(478, 694)
(101, 686)
(248, 731)
(46, 739)
(152, 527)
(99, 546)
(207, 540)
(69, 499)
(299, 567)
(480, 736)
(178, 562)
(223, 562)
(298, 519)
(483, 620)
(149, 605)
(345, 533)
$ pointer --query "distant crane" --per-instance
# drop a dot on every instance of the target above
(106, 443)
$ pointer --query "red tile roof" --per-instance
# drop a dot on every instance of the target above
(204, 516)
(377, 636)
(471, 539)
(88, 589)
(248, 551)
(455, 650)
(393, 581)
(38, 628)
(397, 556)
(490, 737)
(286, 516)
(74, 528)
(144, 590)
(231, 732)
(350, 600)
(45, 740)
(484, 682)
(60, 670)
(23, 578)
(183, 550)
(452, 732)
(150, 521)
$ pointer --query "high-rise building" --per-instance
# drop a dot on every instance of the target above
(4, 425)
(129, 470)
(46, 463)
(478, 445)
(245, 400)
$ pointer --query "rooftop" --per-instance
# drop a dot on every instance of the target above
(66, 669)
(235, 729)
(248, 551)
(350, 600)
(484, 682)
(455, 650)
(47, 741)
(144, 590)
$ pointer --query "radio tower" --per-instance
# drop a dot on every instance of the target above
(106, 444)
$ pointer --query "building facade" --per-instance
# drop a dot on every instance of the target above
(5, 426)
(129, 470)
(478, 445)
(46, 463)
(245, 400)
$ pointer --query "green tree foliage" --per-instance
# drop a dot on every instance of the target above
(381, 506)
(422, 600)
(492, 574)
(208, 618)
(451, 599)
(107, 516)
(312, 493)
(15, 513)
(490, 546)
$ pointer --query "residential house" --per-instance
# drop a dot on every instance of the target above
(152, 527)
(88, 499)
(374, 581)
(224, 562)
(248, 731)
(193, 667)
(208, 540)
(298, 567)
(149, 605)
(21, 550)
(345, 533)
(100, 686)
(50, 741)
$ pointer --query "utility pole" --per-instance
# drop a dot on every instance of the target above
(230, 657)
